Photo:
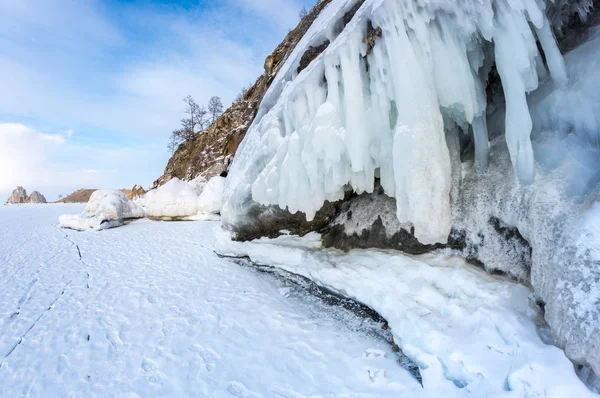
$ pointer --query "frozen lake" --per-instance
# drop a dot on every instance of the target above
(149, 310)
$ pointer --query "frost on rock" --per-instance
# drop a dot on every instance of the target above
(354, 114)
(105, 209)
(181, 200)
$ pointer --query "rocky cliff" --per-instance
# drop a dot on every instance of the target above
(18, 196)
(210, 153)
(35, 197)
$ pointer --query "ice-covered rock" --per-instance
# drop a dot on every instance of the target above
(353, 113)
(106, 209)
(175, 200)
(35, 197)
(416, 107)
(210, 200)
(18, 196)
(181, 200)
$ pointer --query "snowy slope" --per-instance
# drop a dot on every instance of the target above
(149, 310)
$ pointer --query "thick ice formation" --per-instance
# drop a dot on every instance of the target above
(211, 198)
(181, 200)
(105, 209)
(175, 199)
(399, 110)
(472, 334)
(357, 112)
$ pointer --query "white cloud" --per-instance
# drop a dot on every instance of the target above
(51, 164)
(116, 74)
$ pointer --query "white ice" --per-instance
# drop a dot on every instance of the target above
(149, 310)
(182, 200)
(470, 333)
(353, 114)
(105, 209)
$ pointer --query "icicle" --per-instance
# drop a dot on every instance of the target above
(482, 145)
(554, 59)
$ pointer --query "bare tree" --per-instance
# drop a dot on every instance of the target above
(303, 12)
(242, 94)
(196, 120)
(60, 196)
(215, 108)
(174, 141)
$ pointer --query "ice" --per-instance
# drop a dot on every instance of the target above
(182, 200)
(356, 112)
(470, 333)
(175, 199)
(211, 198)
(149, 309)
(105, 209)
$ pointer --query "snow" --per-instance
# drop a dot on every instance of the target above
(105, 209)
(181, 200)
(470, 333)
(211, 198)
(148, 309)
(351, 114)
(175, 199)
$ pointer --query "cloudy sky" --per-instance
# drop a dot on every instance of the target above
(89, 90)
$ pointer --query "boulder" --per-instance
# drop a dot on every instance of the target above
(106, 209)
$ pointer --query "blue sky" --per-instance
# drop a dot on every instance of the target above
(91, 89)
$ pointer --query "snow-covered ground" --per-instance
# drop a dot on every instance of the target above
(149, 310)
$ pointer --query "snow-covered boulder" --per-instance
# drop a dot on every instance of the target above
(36, 197)
(211, 198)
(176, 200)
(106, 209)
(181, 200)
(18, 196)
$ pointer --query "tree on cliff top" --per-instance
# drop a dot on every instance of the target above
(215, 108)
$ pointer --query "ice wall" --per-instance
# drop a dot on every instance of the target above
(358, 111)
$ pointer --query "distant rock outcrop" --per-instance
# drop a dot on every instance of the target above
(84, 195)
(136, 192)
(35, 197)
(18, 196)
(79, 196)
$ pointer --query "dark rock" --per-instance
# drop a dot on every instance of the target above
(270, 221)
(310, 54)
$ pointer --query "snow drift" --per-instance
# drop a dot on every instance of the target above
(465, 111)
(105, 209)
(181, 200)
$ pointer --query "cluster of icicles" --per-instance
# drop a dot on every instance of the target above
(356, 113)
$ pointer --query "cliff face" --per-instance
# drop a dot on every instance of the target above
(210, 153)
